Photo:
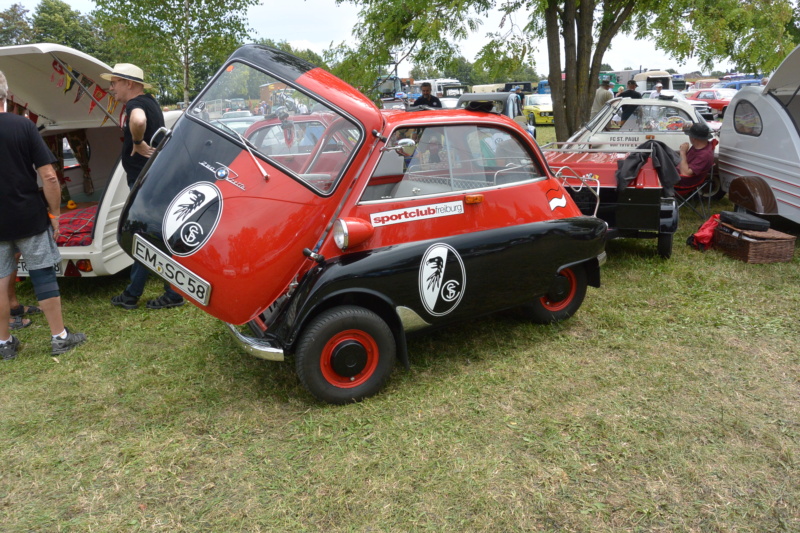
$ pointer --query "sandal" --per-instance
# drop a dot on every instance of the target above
(18, 322)
(164, 302)
(22, 310)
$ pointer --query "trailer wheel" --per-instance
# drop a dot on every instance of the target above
(665, 245)
(345, 354)
(564, 298)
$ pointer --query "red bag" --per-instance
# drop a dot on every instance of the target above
(704, 238)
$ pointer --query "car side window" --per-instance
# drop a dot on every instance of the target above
(657, 118)
(449, 159)
(746, 119)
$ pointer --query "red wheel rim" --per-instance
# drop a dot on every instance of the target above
(560, 305)
(371, 363)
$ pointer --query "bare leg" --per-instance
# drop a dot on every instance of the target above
(52, 312)
(5, 309)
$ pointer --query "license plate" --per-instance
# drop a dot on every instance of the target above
(22, 267)
(190, 283)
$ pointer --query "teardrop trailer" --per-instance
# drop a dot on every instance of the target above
(58, 88)
(331, 236)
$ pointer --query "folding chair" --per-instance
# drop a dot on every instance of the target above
(693, 194)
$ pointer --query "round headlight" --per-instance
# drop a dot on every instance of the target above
(340, 236)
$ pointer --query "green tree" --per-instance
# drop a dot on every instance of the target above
(175, 39)
(55, 21)
(15, 26)
(581, 31)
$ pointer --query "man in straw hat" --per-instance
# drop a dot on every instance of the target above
(143, 117)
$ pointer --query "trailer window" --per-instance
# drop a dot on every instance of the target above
(747, 120)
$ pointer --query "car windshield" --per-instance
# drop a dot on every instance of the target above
(295, 131)
(538, 99)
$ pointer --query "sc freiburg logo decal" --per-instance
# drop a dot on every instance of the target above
(192, 217)
(442, 279)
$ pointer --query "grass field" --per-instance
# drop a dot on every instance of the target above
(669, 402)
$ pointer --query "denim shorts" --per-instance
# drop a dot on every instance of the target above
(39, 251)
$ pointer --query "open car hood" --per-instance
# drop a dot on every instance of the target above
(786, 77)
(57, 84)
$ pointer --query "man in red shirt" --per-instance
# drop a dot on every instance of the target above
(697, 156)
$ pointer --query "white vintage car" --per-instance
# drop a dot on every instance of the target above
(61, 91)
(650, 119)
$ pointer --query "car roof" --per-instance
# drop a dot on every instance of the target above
(37, 80)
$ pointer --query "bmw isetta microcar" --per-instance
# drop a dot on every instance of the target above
(329, 230)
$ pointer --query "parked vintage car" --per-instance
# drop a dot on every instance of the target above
(392, 222)
(651, 119)
(701, 107)
(501, 103)
(717, 99)
(759, 149)
(240, 124)
(642, 208)
(73, 108)
(538, 109)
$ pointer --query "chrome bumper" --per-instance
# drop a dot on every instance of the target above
(260, 348)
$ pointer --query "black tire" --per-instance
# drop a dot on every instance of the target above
(564, 299)
(665, 245)
(345, 354)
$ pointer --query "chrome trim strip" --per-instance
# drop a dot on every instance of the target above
(602, 258)
(260, 348)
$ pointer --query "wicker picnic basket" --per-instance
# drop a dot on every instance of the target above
(769, 246)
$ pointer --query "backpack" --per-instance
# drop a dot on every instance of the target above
(703, 239)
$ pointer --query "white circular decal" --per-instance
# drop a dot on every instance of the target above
(192, 217)
(442, 279)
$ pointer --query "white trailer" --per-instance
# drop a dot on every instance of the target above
(61, 89)
(759, 148)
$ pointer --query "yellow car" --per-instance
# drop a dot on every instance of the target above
(538, 109)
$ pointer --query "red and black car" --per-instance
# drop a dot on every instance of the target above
(333, 234)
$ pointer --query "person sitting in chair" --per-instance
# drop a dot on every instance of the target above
(697, 156)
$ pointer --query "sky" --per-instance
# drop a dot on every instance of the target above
(315, 24)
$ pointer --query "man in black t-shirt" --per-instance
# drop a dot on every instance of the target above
(427, 98)
(28, 223)
(143, 117)
(631, 92)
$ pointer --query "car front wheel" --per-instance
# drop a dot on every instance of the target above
(345, 354)
(564, 298)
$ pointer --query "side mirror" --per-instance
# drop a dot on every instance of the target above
(406, 145)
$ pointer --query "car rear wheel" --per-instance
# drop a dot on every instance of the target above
(564, 298)
(345, 354)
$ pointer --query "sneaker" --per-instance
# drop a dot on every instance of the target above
(125, 301)
(60, 346)
(9, 349)
(164, 302)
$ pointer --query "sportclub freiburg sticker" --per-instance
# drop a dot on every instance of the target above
(442, 279)
(192, 217)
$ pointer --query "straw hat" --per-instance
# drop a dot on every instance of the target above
(127, 71)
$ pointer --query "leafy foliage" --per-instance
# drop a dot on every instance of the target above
(15, 26)
(175, 40)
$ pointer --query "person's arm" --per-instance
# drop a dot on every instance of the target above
(683, 166)
(52, 193)
(138, 126)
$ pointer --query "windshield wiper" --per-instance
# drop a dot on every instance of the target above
(247, 145)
